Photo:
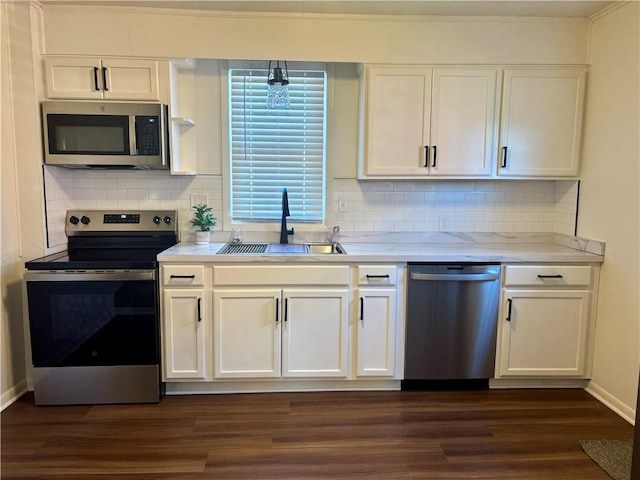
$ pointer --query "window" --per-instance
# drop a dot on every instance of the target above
(275, 149)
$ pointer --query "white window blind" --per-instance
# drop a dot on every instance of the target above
(272, 149)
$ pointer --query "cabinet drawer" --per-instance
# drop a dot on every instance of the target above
(183, 275)
(377, 275)
(548, 275)
(280, 275)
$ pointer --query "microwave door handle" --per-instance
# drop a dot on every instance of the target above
(133, 148)
(164, 134)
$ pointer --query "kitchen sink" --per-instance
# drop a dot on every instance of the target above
(281, 248)
(326, 248)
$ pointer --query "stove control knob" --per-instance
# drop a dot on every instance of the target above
(85, 220)
(168, 220)
(74, 220)
(157, 220)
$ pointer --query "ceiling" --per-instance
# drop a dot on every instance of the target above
(509, 8)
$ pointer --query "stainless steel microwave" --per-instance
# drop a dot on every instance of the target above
(105, 135)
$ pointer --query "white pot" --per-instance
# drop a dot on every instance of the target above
(202, 238)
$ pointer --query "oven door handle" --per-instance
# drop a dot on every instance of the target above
(89, 276)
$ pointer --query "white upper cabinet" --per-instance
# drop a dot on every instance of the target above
(463, 117)
(541, 123)
(95, 78)
(420, 121)
(396, 121)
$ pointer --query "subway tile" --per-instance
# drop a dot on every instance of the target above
(406, 186)
(461, 226)
(474, 197)
(124, 183)
(148, 183)
(414, 197)
(445, 186)
(107, 204)
(128, 204)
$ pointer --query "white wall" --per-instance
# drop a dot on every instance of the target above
(22, 195)
(610, 202)
(206, 34)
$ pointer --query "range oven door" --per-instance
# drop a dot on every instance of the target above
(94, 336)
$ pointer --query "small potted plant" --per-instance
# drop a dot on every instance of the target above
(203, 219)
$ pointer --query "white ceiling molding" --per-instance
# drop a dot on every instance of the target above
(503, 8)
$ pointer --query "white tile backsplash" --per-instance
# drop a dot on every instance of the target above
(368, 206)
(68, 189)
(473, 206)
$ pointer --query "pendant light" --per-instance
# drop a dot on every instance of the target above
(278, 86)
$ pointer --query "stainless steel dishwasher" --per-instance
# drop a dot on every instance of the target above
(452, 315)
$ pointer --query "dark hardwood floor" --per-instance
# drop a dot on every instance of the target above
(485, 434)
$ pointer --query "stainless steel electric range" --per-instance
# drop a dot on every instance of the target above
(93, 309)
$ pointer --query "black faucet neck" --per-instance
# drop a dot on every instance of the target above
(284, 232)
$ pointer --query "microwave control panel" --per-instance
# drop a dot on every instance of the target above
(148, 135)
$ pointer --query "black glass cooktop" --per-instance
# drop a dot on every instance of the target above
(105, 254)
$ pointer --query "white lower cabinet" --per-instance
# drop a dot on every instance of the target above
(376, 321)
(546, 322)
(545, 333)
(248, 327)
(263, 333)
(315, 333)
(267, 330)
(376, 332)
(185, 323)
(247, 333)
(185, 319)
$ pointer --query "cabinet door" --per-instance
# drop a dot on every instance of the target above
(541, 122)
(545, 334)
(376, 332)
(397, 106)
(130, 79)
(246, 333)
(315, 340)
(185, 319)
(463, 119)
(77, 77)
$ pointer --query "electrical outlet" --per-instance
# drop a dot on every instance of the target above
(443, 223)
(197, 198)
(342, 204)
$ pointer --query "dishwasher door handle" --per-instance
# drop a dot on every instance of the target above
(455, 277)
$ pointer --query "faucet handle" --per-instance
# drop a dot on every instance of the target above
(334, 232)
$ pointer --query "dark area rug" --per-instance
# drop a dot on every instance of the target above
(613, 456)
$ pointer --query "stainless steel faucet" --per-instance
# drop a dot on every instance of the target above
(331, 237)
(284, 232)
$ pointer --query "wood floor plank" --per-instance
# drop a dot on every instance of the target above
(478, 434)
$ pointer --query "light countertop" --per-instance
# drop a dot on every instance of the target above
(457, 248)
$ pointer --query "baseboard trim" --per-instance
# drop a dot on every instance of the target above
(256, 386)
(13, 394)
(603, 396)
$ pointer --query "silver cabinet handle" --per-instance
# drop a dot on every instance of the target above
(456, 277)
